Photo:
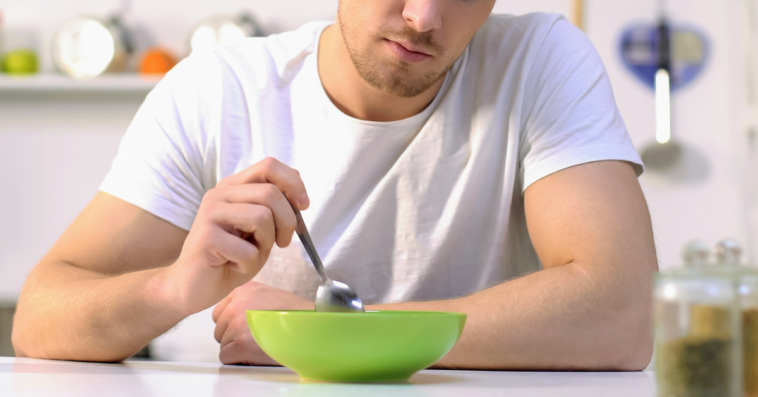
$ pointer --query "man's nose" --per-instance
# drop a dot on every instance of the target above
(423, 15)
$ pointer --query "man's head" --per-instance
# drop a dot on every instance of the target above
(403, 47)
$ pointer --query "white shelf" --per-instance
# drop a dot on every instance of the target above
(115, 83)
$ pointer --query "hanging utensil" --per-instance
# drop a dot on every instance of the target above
(666, 151)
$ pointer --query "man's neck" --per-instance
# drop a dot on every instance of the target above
(353, 95)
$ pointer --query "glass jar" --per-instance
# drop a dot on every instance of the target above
(748, 295)
(698, 329)
(728, 253)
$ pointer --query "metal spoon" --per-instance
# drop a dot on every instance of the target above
(332, 296)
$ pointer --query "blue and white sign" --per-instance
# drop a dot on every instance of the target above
(689, 53)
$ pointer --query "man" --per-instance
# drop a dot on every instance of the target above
(444, 152)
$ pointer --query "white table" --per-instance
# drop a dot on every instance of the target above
(27, 377)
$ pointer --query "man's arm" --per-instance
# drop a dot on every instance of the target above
(97, 295)
(120, 277)
(590, 308)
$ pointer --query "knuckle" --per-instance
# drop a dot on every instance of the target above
(212, 197)
(211, 194)
(259, 217)
(271, 193)
(269, 162)
(234, 307)
(265, 216)
(203, 236)
(211, 206)
(209, 216)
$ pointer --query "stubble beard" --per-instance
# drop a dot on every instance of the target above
(390, 75)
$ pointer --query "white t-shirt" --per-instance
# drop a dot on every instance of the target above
(425, 208)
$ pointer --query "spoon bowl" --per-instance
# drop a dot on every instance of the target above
(335, 296)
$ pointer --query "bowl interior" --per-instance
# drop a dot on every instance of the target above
(356, 347)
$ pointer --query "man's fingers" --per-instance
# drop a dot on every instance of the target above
(242, 352)
(221, 306)
(270, 170)
(234, 353)
(269, 195)
(236, 329)
(222, 324)
(242, 253)
(255, 220)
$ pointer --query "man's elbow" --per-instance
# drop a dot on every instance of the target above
(636, 352)
(630, 338)
(27, 342)
(21, 338)
(18, 347)
(30, 350)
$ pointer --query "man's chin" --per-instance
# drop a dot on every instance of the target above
(404, 87)
(406, 91)
(394, 76)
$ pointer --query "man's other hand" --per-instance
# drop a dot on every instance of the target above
(232, 332)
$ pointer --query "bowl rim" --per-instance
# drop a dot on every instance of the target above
(372, 313)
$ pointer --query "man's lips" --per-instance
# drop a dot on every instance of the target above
(407, 51)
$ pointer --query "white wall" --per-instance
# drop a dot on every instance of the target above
(706, 118)
(54, 153)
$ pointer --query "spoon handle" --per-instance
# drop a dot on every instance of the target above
(305, 238)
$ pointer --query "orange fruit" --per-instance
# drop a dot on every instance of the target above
(157, 61)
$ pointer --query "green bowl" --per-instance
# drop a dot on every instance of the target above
(383, 346)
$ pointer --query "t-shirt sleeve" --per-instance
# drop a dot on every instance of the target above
(161, 163)
(570, 115)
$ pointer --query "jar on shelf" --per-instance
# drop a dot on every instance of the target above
(698, 329)
(728, 253)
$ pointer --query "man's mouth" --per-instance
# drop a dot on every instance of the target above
(407, 51)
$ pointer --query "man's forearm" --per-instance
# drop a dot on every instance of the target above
(563, 318)
(69, 313)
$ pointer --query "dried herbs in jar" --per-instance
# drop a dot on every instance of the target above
(698, 364)
(750, 351)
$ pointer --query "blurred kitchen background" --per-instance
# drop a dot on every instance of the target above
(59, 135)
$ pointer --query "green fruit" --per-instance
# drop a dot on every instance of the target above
(20, 62)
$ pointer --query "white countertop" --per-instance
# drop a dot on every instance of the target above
(27, 377)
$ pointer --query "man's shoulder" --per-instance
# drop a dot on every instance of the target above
(511, 41)
(503, 24)
(507, 35)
